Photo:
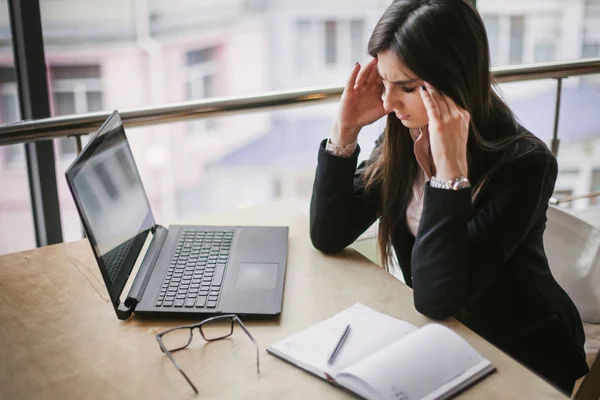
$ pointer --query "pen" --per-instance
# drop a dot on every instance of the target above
(339, 345)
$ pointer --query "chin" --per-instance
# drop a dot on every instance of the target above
(410, 124)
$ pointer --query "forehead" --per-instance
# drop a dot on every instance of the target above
(392, 69)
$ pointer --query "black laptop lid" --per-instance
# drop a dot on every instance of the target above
(112, 203)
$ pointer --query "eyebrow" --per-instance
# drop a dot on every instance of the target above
(404, 82)
(401, 82)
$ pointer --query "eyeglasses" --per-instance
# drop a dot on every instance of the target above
(180, 337)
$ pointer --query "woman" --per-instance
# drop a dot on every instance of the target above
(460, 189)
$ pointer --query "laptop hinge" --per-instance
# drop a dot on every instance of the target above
(143, 276)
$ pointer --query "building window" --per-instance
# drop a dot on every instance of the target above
(590, 50)
(357, 32)
(330, 42)
(591, 29)
(544, 31)
(14, 154)
(492, 27)
(517, 39)
(76, 89)
(303, 45)
(201, 83)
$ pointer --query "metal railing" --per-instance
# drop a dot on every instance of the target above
(75, 125)
(567, 199)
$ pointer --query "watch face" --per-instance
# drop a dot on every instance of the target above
(462, 183)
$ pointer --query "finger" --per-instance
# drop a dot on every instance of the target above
(432, 110)
(452, 107)
(363, 75)
(374, 74)
(352, 78)
(438, 100)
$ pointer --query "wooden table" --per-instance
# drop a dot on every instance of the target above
(60, 338)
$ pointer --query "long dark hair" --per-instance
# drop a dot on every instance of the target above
(443, 42)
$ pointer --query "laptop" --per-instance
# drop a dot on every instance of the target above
(184, 269)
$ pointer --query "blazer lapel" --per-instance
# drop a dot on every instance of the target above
(403, 243)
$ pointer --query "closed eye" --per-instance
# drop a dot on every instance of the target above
(404, 88)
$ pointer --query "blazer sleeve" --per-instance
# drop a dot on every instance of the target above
(341, 209)
(459, 251)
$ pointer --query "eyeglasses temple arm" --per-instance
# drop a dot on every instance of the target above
(168, 354)
(253, 341)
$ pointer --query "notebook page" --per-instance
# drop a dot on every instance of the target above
(369, 332)
(427, 364)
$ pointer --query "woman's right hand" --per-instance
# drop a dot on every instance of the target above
(361, 103)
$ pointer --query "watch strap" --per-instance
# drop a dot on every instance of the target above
(462, 182)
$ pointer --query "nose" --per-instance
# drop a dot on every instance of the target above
(389, 103)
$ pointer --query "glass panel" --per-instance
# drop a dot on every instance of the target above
(578, 130)
(330, 42)
(529, 31)
(273, 159)
(16, 220)
(155, 52)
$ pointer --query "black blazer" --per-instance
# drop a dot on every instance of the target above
(481, 263)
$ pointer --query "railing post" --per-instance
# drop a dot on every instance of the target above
(78, 143)
(30, 64)
(555, 141)
(79, 147)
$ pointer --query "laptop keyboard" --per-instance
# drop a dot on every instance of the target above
(114, 258)
(195, 275)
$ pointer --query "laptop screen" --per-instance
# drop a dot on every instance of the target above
(112, 203)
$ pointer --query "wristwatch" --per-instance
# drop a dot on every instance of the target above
(462, 182)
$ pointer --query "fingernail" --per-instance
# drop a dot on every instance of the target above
(356, 64)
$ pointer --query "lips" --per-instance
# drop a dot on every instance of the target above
(402, 116)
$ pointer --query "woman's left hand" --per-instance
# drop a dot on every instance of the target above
(448, 133)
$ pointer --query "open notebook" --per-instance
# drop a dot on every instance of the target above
(384, 357)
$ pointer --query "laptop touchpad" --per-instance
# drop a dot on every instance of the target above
(257, 276)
